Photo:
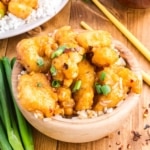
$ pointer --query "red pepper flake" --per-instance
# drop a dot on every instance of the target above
(118, 143)
(120, 148)
(147, 141)
(109, 136)
(146, 126)
(65, 66)
(128, 146)
(136, 136)
(145, 114)
(131, 80)
(118, 132)
(67, 50)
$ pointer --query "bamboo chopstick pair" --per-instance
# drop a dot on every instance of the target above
(126, 32)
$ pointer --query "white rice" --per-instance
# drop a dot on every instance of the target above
(46, 8)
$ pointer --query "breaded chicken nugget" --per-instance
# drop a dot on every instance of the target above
(35, 94)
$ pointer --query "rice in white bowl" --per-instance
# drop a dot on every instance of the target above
(45, 8)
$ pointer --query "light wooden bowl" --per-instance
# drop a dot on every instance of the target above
(86, 130)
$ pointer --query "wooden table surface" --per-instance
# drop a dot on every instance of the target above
(132, 134)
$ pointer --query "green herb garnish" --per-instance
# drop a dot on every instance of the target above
(40, 61)
(77, 86)
(103, 76)
(58, 52)
(2, 13)
(53, 71)
(105, 89)
(102, 89)
(98, 88)
(56, 83)
(84, 57)
(39, 84)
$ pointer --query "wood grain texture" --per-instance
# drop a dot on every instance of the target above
(137, 21)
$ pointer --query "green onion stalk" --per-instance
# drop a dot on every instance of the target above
(24, 127)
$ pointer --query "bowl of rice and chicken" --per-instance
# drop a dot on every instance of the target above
(75, 85)
(20, 16)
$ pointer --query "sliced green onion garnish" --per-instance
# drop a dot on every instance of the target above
(102, 89)
(84, 57)
(98, 88)
(40, 61)
(77, 86)
(103, 76)
(2, 13)
(53, 71)
(105, 89)
(39, 84)
(56, 83)
(58, 52)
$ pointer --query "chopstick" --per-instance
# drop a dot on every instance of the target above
(85, 26)
(124, 30)
(146, 77)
